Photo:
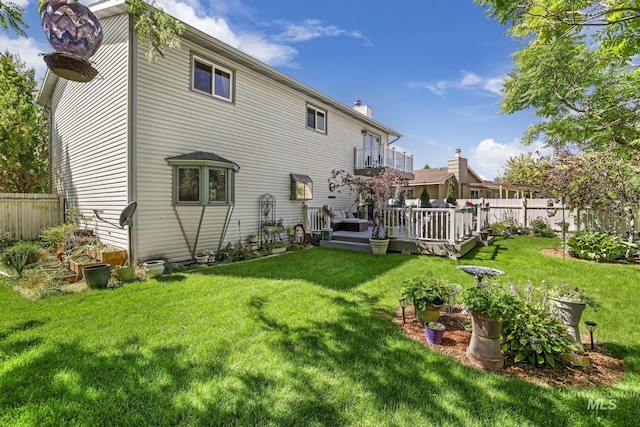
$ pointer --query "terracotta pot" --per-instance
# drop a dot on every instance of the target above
(484, 347)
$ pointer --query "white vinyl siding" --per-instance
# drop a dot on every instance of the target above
(261, 132)
(89, 136)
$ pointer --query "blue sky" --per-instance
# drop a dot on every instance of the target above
(431, 70)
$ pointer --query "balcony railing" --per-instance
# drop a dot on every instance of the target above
(383, 157)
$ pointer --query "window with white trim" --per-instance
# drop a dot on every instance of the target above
(209, 78)
(316, 119)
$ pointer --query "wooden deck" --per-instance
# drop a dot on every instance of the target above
(359, 241)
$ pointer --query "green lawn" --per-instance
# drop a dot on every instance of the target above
(300, 339)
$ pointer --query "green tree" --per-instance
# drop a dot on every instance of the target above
(425, 199)
(577, 71)
(599, 180)
(452, 193)
(525, 169)
(11, 17)
(23, 130)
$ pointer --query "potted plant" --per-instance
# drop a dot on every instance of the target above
(489, 305)
(567, 303)
(377, 190)
(427, 296)
(434, 332)
(202, 257)
(468, 207)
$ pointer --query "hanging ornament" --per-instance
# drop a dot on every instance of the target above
(75, 34)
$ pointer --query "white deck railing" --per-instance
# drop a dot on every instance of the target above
(380, 157)
(433, 224)
(427, 224)
(315, 219)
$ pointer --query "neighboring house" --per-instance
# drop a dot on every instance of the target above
(196, 139)
(468, 184)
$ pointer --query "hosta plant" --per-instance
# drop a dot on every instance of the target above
(534, 322)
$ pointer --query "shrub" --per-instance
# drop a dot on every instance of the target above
(599, 246)
(498, 228)
(540, 228)
(54, 237)
(5, 238)
(234, 252)
(20, 255)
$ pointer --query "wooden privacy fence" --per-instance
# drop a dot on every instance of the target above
(25, 215)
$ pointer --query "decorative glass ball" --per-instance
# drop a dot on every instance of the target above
(71, 27)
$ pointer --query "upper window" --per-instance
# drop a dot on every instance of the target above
(203, 179)
(212, 79)
(316, 119)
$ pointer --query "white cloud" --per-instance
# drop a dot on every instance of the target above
(312, 29)
(274, 50)
(489, 157)
(468, 81)
(28, 50)
(254, 44)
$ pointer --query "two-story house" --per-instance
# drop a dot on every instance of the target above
(196, 139)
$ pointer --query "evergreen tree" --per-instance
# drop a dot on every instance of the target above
(424, 199)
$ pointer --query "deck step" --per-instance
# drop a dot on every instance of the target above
(348, 245)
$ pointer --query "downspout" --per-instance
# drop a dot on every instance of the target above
(50, 149)
(132, 187)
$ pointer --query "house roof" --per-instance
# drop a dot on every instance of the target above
(201, 157)
(108, 8)
(430, 176)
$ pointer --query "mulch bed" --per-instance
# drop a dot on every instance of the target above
(605, 368)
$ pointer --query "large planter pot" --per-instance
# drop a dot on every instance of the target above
(569, 314)
(434, 332)
(126, 274)
(484, 347)
(153, 268)
(379, 246)
(78, 266)
(430, 314)
(97, 276)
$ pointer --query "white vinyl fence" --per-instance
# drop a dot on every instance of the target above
(24, 215)
(523, 211)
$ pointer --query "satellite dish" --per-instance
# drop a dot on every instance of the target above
(127, 214)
